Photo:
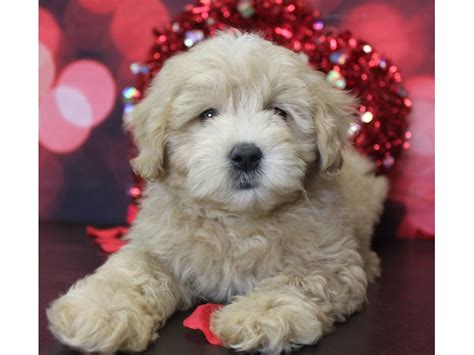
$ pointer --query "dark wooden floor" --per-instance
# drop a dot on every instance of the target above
(398, 320)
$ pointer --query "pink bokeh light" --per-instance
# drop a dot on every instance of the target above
(73, 106)
(56, 133)
(46, 69)
(96, 84)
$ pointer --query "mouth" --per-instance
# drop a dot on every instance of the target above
(245, 182)
(246, 186)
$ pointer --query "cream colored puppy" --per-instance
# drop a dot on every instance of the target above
(252, 200)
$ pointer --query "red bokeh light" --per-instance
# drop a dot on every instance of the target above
(390, 31)
(422, 119)
(132, 26)
(132, 212)
(49, 32)
(422, 87)
(413, 181)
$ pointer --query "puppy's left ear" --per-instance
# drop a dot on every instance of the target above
(333, 111)
(149, 125)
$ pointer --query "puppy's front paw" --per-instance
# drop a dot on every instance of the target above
(270, 322)
(93, 326)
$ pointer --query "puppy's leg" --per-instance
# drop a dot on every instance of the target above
(292, 309)
(365, 221)
(372, 264)
(365, 194)
(119, 307)
(271, 321)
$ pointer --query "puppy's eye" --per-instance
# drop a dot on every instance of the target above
(209, 113)
(280, 112)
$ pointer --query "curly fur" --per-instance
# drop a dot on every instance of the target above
(291, 256)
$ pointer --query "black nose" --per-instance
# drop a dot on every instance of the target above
(246, 156)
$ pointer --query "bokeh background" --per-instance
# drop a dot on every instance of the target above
(86, 48)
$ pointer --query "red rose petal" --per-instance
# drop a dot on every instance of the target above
(109, 239)
(200, 319)
(112, 245)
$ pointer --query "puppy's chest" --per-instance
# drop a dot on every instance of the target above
(219, 261)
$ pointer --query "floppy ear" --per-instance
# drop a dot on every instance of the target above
(148, 125)
(333, 112)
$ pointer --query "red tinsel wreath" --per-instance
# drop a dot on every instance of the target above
(350, 63)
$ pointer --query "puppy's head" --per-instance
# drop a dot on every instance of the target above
(237, 122)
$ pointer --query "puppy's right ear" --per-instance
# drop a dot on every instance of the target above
(333, 112)
(148, 125)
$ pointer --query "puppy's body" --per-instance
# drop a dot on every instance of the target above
(223, 254)
(288, 245)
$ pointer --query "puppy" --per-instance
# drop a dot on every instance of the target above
(253, 200)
